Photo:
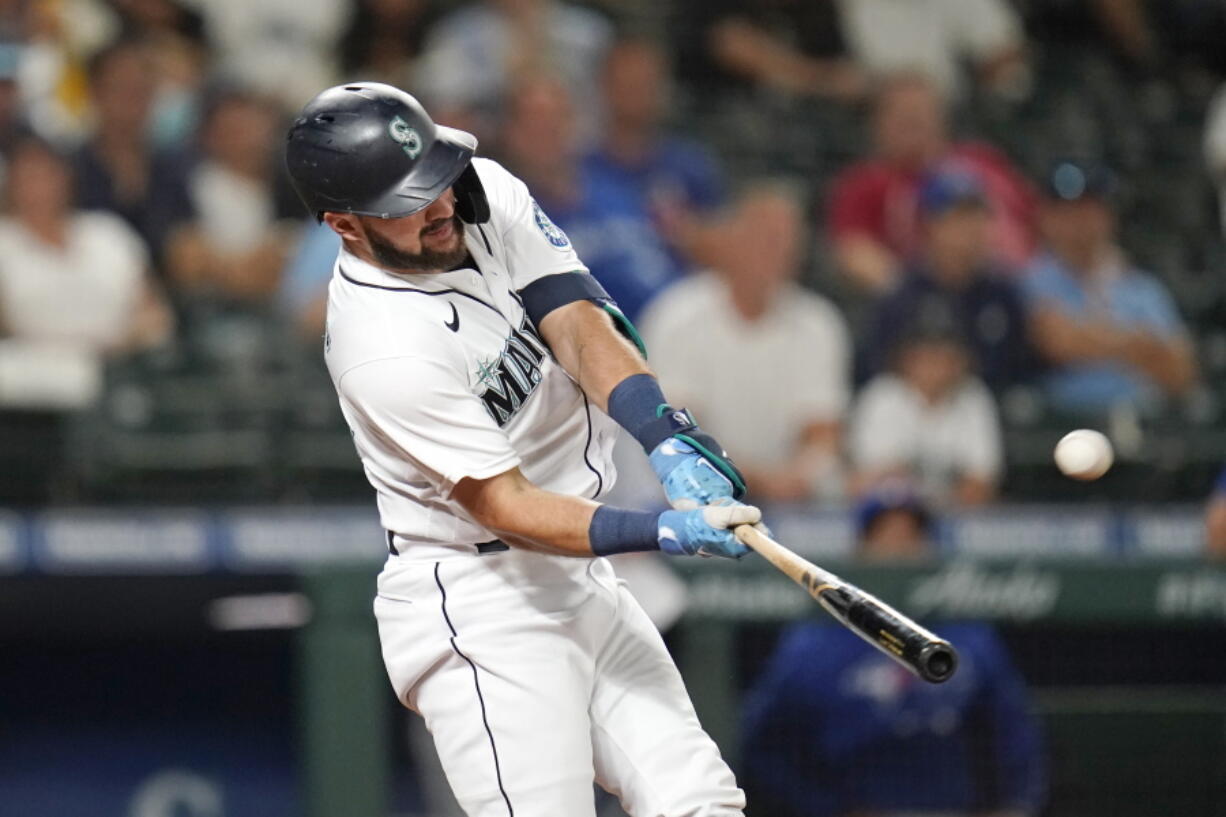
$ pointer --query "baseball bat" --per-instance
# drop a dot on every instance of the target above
(919, 650)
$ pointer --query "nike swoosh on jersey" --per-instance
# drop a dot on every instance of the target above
(454, 323)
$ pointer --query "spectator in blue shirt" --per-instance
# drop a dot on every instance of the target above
(303, 293)
(834, 728)
(955, 266)
(677, 181)
(1110, 332)
(604, 217)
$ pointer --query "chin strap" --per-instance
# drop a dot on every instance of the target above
(471, 204)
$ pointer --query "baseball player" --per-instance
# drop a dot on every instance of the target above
(481, 370)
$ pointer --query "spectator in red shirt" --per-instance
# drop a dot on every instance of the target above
(873, 222)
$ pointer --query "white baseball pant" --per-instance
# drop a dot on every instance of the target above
(538, 674)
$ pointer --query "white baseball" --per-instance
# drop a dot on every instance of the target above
(1084, 454)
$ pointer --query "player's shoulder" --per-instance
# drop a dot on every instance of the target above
(512, 206)
(508, 196)
(356, 338)
(366, 323)
(500, 184)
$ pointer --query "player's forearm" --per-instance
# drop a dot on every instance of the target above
(616, 378)
(527, 516)
(585, 342)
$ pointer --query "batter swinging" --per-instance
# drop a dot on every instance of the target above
(481, 369)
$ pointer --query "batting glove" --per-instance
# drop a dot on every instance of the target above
(707, 531)
(695, 470)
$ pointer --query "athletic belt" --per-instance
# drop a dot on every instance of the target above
(493, 546)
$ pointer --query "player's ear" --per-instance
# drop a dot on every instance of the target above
(346, 225)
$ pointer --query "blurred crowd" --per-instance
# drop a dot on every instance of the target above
(924, 233)
(929, 237)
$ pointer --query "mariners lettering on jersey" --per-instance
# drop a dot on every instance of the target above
(514, 375)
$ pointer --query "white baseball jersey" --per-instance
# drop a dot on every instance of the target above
(442, 376)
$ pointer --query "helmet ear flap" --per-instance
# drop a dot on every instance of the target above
(470, 202)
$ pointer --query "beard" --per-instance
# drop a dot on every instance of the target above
(390, 256)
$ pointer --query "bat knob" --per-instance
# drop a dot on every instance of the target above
(937, 662)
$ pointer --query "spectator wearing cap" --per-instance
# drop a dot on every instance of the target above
(832, 727)
(873, 218)
(894, 524)
(1110, 333)
(929, 420)
(955, 266)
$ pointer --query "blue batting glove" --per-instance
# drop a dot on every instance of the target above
(707, 531)
(689, 477)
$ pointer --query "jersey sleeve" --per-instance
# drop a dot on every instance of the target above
(534, 245)
(425, 413)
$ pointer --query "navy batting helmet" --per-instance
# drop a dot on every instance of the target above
(371, 149)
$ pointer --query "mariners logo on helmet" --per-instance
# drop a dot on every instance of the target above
(409, 139)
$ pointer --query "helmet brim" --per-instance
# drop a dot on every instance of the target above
(433, 174)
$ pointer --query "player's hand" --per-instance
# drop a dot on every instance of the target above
(692, 477)
(707, 531)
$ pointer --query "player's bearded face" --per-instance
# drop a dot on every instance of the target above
(440, 245)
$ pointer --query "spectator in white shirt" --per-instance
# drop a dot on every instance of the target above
(935, 37)
(476, 55)
(929, 420)
(74, 287)
(244, 224)
(284, 48)
(782, 411)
